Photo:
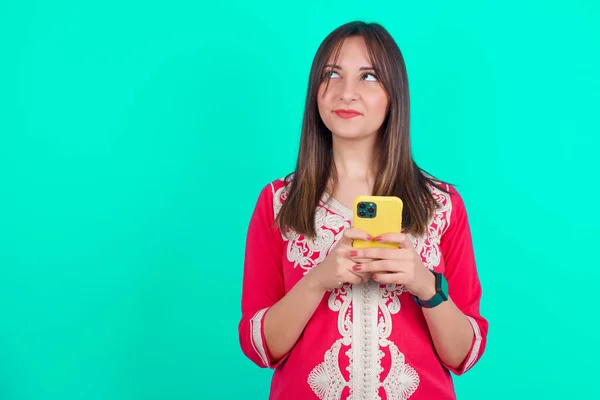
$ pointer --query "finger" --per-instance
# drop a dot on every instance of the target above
(379, 253)
(354, 278)
(379, 266)
(362, 260)
(357, 257)
(364, 276)
(401, 239)
(351, 234)
(361, 275)
(394, 278)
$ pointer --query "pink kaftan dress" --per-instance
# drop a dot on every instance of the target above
(367, 341)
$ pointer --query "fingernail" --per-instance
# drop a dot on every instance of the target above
(356, 267)
(353, 253)
(369, 238)
(374, 276)
(378, 239)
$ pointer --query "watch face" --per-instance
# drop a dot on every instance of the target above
(443, 286)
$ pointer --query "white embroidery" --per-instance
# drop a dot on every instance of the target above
(476, 345)
(326, 379)
(402, 380)
(366, 367)
(364, 310)
(256, 335)
(305, 252)
(428, 245)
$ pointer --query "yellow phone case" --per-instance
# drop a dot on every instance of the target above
(385, 218)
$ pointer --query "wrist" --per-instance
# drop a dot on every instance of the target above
(428, 290)
(440, 296)
(311, 283)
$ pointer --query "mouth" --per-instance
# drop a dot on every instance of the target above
(347, 114)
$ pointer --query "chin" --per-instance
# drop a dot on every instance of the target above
(350, 134)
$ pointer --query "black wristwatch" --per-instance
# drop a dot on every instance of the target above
(441, 292)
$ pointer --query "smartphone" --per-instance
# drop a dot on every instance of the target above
(377, 215)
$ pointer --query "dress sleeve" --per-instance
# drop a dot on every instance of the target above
(263, 283)
(464, 287)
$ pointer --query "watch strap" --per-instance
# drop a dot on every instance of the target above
(441, 295)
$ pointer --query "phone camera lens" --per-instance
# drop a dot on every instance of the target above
(361, 214)
(362, 205)
(371, 210)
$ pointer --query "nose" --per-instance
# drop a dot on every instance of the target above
(348, 91)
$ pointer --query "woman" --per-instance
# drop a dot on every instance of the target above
(341, 323)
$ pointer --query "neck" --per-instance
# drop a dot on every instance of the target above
(353, 159)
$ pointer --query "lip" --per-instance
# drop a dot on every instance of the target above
(347, 114)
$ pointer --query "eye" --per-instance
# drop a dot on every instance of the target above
(370, 77)
(331, 74)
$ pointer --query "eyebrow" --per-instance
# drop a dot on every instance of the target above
(360, 69)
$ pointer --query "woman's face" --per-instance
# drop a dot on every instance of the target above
(355, 104)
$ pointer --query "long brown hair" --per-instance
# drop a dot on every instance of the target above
(396, 173)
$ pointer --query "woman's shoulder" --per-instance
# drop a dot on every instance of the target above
(276, 187)
(449, 200)
(442, 190)
(281, 184)
(274, 193)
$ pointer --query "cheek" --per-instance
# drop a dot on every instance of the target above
(379, 104)
(324, 100)
(321, 106)
(320, 98)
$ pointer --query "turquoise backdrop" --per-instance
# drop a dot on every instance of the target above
(121, 120)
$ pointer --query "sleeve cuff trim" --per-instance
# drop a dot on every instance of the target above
(476, 346)
(256, 335)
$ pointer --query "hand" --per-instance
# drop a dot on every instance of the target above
(401, 266)
(336, 269)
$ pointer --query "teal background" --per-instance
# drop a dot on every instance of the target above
(119, 120)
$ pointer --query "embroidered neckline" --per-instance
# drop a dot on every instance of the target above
(335, 206)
